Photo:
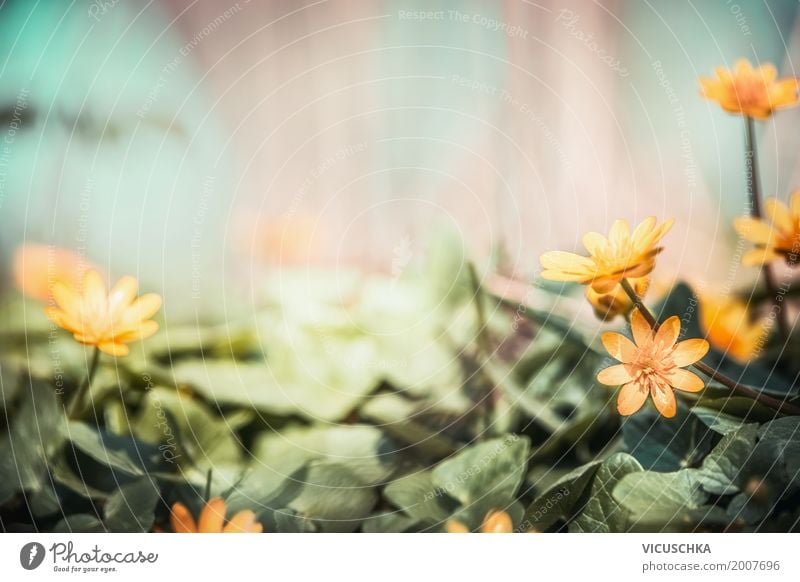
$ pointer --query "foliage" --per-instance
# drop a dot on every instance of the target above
(360, 403)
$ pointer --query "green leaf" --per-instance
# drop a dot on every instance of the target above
(720, 472)
(191, 436)
(403, 420)
(132, 507)
(659, 499)
(359, 447)
(334, 497)
(389, 522)
(561, 499)
(602, 513)
(420, 499)
(289, 521)
(488, 472)
(717, 421)
(735, 406)
(666, 444)
(37, 431)
(780, 439)
(80, 523)
(90, 441)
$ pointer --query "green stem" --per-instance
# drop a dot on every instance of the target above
(76, 404)
(754, 195)
(484, 345)
(774, 403)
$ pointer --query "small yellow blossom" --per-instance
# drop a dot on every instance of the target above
(496, 521)
(777, 238)
(622, 255)
(750, 92)
(102, 319)
(37, 267)
(652, 364)
(617, 302)
(729, 328)
(212, 520)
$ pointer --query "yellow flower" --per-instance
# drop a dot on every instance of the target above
(750, 92)
(621, 255)
(37, 267)
(777, 238)
(212, 520)
(652, 365)
(105, 320)
(729, 328)
(496, 521)
(617, 302)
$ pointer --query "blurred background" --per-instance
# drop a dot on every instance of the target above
(201, 144)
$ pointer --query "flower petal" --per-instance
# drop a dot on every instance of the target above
(779, 214)
(668, 332)
(143, 330)
(212, 517)
(111, 348)
(754, 230)
(144, 307)
(615, 375)
(794, 204)
(619, 347)
(759, 256)
(123, 293)
(61, 319)
(94, 291)
(181, 519)
(567, 263)
(66, 297)
(689, 351)
(664, 399)
(632, 397)
(685, 380)
(605, 284)
(455, 526)
(620, 233)
(642, 332)
(594, 242)
(243, 522)
(642, 233)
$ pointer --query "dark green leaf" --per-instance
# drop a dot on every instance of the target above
(420, 499)
(492, 470)
(37, 431)
(131, 508)
(561, 500)
(602, 513)
(659, 499)
(720, 472)
(666, 444)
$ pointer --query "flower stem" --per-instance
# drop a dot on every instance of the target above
(774, 403)
(754, 195)
(76, 403)
(484, 344)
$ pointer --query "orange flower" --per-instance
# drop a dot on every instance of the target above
(105, 320)
(621, 255)
(496, 521)
(729, 328)
(777, 238)
(652, 365)
(750, 92)
(617, 302)
(37, 267)
(212, 520)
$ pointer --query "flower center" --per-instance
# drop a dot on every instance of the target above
(751, 91)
